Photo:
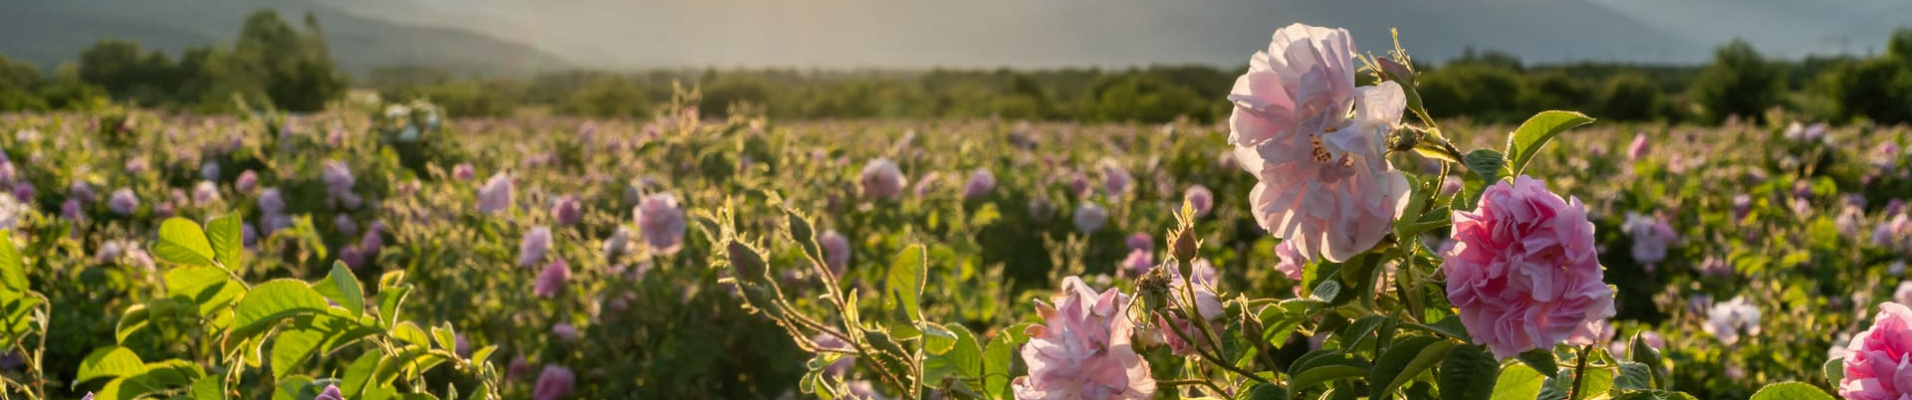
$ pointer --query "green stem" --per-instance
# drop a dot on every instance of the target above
(1579, 371)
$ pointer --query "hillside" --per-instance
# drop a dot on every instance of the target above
(53, 32)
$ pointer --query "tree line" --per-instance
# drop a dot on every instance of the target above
(275, 64)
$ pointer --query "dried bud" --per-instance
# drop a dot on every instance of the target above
(1184, 245)
(1154, 287)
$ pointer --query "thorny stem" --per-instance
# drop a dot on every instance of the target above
(1580, 371)
(1194, 313)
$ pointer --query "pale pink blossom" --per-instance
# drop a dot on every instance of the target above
(881, 179)
(556, 382)
(495, 196)
(532, 247)
(1199, 198)
(1292, 262)
(661, 222)
(1524, 272)
(1324, 182)
(1651, 237)
(1089, 217)
(836, 250)
(123, 202)
(980, 184)
(1732, 319)
(1083, 350)
(1639, 147)
(552, 279)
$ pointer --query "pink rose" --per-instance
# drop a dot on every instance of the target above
(495, 196)
(1292, 262)
(1083, 350)
(554, 383)
(123, 202)
(980, 184)
(1136, 264)
(1324, 181)
(566, 210)
(881, 179)
(661, 222)
(1089, 217)
(246, 182)
(1880, 364)
(1651, 236)
(1141, 241)
(552, 279)
(531, 249)
(1638, 148)
(1200, 198)
(836, 250)
(1524, 271)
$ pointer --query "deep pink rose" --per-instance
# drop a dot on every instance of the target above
(1083, 350)
(556, 382)
(1880, 364)
(1524, 271)
(552, 279)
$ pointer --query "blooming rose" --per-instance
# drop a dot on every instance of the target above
(1141, 241)
(1524, 271)
(552, 279)
(1115, 178)
(1324, 183)
(1638, 148)
(980, 184)
(1292, 262)
(1082, 350)
(205, 193)
(463, 172)
(565, 331)
(1650, 235)
(556, 382)
(123, 202)
(1089, 217)
(246, 182)
(495, 196)
(1879, 366)
(618, 243)
(566, 210)
(1200, 198)
(1136, 264)
(531, 249)
(836, 250)
(331, 392)
(1728, 320)
(661, 222)
(1903, 294)
(882, 179)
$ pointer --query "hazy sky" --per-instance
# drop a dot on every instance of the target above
(917, 33)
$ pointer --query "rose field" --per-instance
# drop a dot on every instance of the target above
(1330, 238)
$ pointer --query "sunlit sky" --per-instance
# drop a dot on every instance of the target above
(1026, 33)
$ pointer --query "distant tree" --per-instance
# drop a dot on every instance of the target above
(609, 96)
(16, 86)
(1630, 97)
(1738, 82)
(294, 69)
(1474, 90)
(1879, 89)
(721, 91)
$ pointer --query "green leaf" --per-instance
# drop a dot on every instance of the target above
(447, 338)
(182, 242)
(997, 361)
(390, 298)
(13, 270)
(1402, 361)
(135, 318)
(1516, 382)
(1263, 392)
(1541, 360)
(962, 357)
(1594, 382)
(410, 333)
(291, 347)
(209, 388)
(267, 303)
(228, 243)
(906, 278)
(1633, 376)
(1469, 373)
(1791, 391)
(18, 312)
(342, 287)
(1536, 132)
(109, 362)
(1326, 367)
(210, 288)
(1485, 163)
(1654, 394)
(1835, 369)
(360, 373)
